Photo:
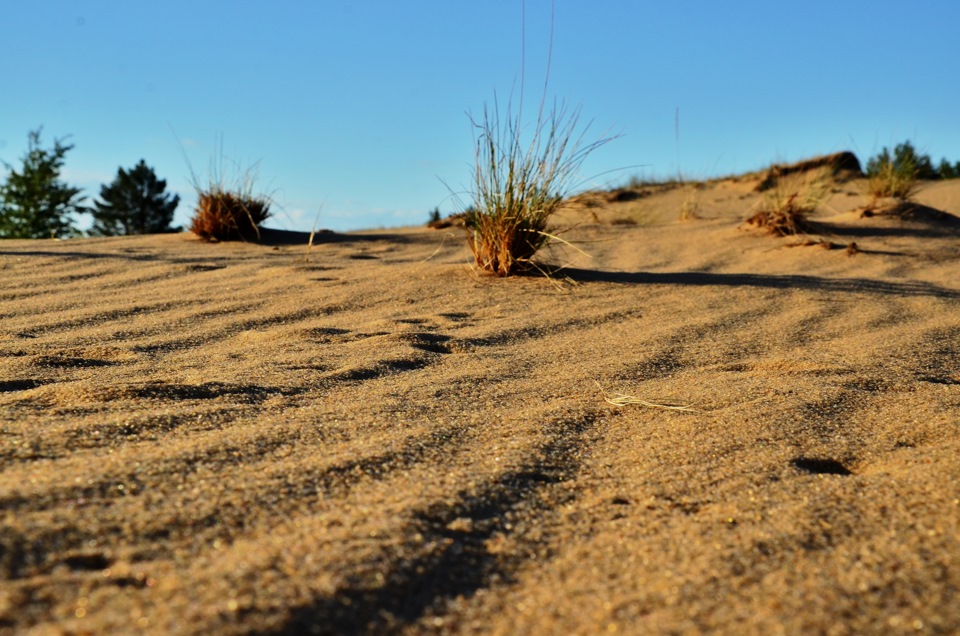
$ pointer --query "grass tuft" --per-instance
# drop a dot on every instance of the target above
(228, 212)
(892, 179)
(223, 215)
(784, 210)
(690, 208)
(518, 183)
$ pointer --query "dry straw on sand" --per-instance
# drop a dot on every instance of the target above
(621, 399)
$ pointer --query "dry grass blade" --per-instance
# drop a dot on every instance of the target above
(620, 399)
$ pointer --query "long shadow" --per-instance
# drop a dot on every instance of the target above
(917, 220)
(415, 586)
(268, 238)
(863, 231)
(73, 254)
(771, 281)
(271, 237)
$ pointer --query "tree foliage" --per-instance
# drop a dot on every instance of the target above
(907, 161)
(946, 171)
(34, 202)
(135, 203)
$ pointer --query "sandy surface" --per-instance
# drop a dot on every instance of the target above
(372, 438)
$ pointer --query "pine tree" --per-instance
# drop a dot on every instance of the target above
(135, 203)
(34, 203)
(905, 160)
(947, 171)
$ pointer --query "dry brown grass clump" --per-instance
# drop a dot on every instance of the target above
(224, 215)
(228, 208)
(784, 210)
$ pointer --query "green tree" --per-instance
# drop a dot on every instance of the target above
(905, 160)
(135, 203)
(947, 171)
(34, 202)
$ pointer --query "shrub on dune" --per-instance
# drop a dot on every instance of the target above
(519, 182)
(225, 215)
(892, 179)
(784, 211)
(228, 210)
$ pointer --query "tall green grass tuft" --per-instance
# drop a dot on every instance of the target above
(519, 181)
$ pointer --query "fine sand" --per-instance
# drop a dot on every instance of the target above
(371, 437)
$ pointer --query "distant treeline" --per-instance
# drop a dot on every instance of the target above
(36, 203)
(905, 157)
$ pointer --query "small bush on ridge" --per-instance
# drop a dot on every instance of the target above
(896, 176)
(223, 215)
(784, 210)
(518, 184)
(228, 212)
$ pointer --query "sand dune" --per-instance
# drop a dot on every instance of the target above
(370, 437)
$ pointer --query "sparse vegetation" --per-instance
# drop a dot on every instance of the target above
(638, 181)
(892, 180)
(690, 208)
(896, 175)
(224, 215)
(519, 183)
(784, 209)
(904, 157)
(34, 202)
(228, 212)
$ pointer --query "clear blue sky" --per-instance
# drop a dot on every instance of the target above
(359, 107)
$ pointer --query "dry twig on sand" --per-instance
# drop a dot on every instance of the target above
(620, 399)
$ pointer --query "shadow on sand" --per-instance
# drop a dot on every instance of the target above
(268, 238)
(275, 238)
(770, 281)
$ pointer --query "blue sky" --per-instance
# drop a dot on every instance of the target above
(355, 111)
